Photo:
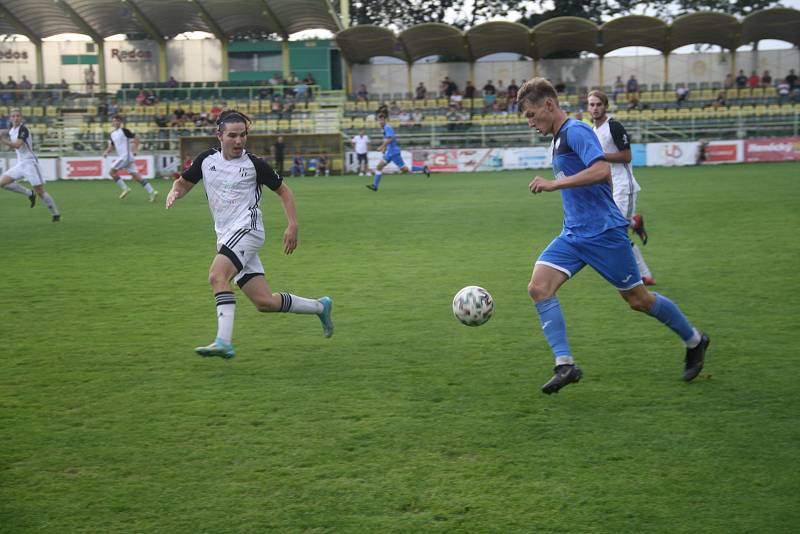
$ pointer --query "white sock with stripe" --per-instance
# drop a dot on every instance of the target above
(294, 304)
(16, 188)
(226, 310)
(51, 204)
(121, 183)
(147, 186)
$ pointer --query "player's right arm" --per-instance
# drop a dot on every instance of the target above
(188, 178)
(180, 187)
(108, 148)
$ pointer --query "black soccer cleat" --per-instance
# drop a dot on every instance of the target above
(427, 171)
(565, 374)
(32, 198)
(695, 358)
(56, 218)
(371, 187)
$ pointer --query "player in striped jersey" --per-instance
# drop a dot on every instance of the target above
(27, 166)
(233, 180)
(617, 148)
(121, 139)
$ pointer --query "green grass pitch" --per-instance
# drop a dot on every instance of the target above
(405, 420)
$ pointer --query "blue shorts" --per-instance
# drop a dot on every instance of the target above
(609, 253)
(396, 158)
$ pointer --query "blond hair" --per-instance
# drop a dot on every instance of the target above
(599, 94)
(535, 90)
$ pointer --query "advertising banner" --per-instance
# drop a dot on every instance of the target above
(775, 149)
(639, 155)
(438, 160)
(97, 168)
(536, 157)
(480, 159)
(725, 152)
(671, 154)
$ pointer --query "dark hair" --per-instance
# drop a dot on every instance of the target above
(117, 116)
(599, 94)
(231, 115)
(535, 90)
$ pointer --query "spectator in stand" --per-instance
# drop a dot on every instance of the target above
(784, 89)
(25, 83)
(729, 81)
(383, 109)
(275, 105)
(394, 109)
(301, 91)
(404, 118)
(792, 79)
(297, 168)
(619, 88)
(681, 94)
(417, 118)
(444, 86)
(264, 92)
(141, 97)
(452, 117)
(489, 96)
(172, 82)
(274, 80)
(151, 99)
(113, 107)
(214, 112)
(720, 101)
(753, 80)
(633, 103)
(560, 87)
(288, 105)
(88, 79)
(363, 94)
(741, 80)
(501, 88)
(632, 87)
(323, 165)
(421, 91)
(102, 110)
(64, 86)
(469, 90)
(278, 154)
(455, 99)
(512, 91)
(11, 84)
(766, 79)
(178, 117)
(309, 79)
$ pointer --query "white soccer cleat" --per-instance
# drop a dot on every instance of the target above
(124, 193)
(217, 348)
(153, 195)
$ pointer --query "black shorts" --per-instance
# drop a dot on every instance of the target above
(362, 158)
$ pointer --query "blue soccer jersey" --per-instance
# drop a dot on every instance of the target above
(392, 147)
(588, 210)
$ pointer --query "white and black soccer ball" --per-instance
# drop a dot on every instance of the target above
(473, 306)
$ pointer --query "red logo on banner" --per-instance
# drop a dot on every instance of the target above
(721, 152)
(141, 168)
(78, 169)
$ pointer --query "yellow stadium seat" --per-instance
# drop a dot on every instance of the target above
(346, 123)
(730, 94)
(349, 106)
(660, 114)
(431, 103)
(745, 92)
(757, 92)
(705, 94)
(313, 106)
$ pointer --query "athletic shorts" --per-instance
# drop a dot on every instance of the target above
(609, 254)
(626, 202)
(396, 158)
(27, 170)
(242, 247)
(362, 157)
(125, 163)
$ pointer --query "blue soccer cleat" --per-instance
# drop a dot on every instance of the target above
(217, 348)
(325, 316)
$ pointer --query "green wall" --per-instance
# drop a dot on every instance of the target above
(304, 56)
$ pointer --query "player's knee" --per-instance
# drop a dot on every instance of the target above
(538, 292)
(639, 302)
(216, 279)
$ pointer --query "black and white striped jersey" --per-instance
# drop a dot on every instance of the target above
(614, 138)
(121, 139)
(233, 188)
(25, 151)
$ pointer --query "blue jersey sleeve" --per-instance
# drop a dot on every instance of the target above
(388, 132)
(584, 142)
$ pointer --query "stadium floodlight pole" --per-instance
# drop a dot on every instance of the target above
(96, 37)
(216, 29)
(23, 29)
(154, 34)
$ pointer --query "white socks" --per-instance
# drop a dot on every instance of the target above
(16, 188)
(226, 310)
(294, 304)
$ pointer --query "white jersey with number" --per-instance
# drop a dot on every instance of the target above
(233, 188)
(25, 150)
(121, 139)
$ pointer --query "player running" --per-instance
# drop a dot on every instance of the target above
(617, 148)
(27, 166)
(233, 180)
(120, 139)
(594, 233)
(391, 154)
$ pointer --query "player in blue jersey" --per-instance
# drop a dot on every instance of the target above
(391, 154)
(594, 234)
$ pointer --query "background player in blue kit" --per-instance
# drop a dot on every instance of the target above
(391, 154)
(594, 234)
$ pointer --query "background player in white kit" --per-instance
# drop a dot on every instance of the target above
(121, 139)
(617, 147)
(361, 146)
(233, 180)
(27, 166)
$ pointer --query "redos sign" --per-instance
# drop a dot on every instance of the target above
(13, 56)
(133, 55)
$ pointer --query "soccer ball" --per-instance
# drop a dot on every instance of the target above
(473, 306)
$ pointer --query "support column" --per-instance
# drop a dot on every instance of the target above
(162, 61)
(666, 70)
(39, 62)
(733, 63)
(101, 65)
(472, 73)
(409, 80)
(348, 78)
(601, 73)
(226, 70)
(535, 68)
(285, 55)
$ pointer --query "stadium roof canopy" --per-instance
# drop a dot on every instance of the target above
(99, 19)
(360, 43)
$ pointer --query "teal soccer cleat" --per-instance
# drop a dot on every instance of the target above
(325, 316)
(217, 348)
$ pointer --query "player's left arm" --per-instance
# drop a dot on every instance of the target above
(621, 141)
(290, 235)
(137, 143)
(21, 136)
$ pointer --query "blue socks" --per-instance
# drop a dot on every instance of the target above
(668, 313)
(377, 179)
(555, 329)
(416, 168)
